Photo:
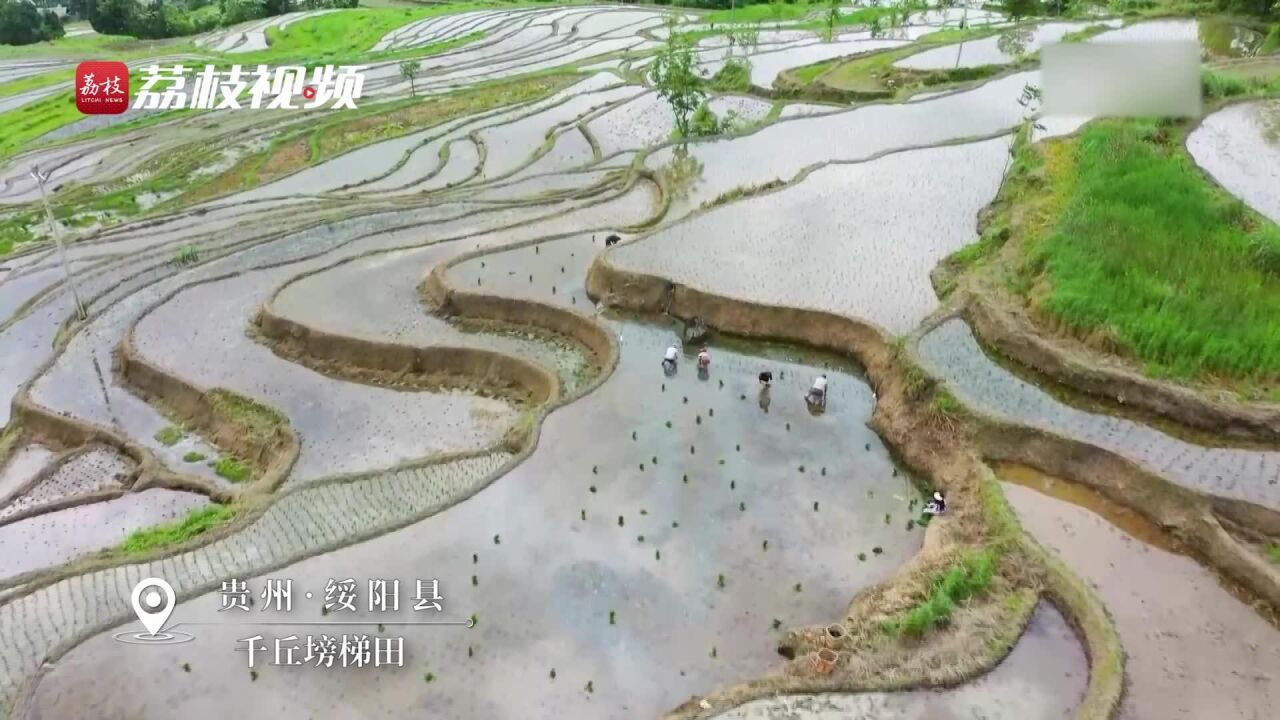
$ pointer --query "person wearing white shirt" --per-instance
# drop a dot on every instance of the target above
(818, 392)
(669, 360)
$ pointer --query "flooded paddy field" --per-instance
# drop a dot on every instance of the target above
(650, 551)
(1193, 648)
(639, 538)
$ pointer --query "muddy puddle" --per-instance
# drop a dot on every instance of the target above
(1193, 649)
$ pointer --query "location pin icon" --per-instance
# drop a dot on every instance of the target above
(153, 601)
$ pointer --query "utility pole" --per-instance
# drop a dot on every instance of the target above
(57, 239)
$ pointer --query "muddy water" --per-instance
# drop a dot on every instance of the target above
(859, 240)
(1043, 678)
(53, 538)
(951, 352)
(544, 588)
(1240, 147)
(1193, 650)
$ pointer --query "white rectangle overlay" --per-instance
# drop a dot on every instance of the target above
(1130, 79)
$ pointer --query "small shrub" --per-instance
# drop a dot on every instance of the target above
(193, 457)
(1217, 85)
(704, 122)
(735, 76)
(970, 577)
(186, 255)
(945, 404)
(231, 469)
(169, 436)
(1264, 249)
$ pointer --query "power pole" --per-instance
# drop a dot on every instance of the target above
(57, 239)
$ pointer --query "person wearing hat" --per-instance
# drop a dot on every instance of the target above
(937, 505)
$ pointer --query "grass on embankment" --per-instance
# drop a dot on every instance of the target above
(93, 45)
(967, 578)
(873, 75)
(348, 36)
(196, 523)
(1128, 247)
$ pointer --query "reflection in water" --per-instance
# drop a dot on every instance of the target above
(1222, 38)
(1269, 120)
(681, 175)
(1014, 42)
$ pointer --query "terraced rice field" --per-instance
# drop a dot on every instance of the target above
(621, 539)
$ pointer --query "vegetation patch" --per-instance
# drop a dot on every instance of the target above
(169, 436)
(193, 457)
(231, 469)
(14, 232)
(735, 76)
(1136, 252)
(968, 578)
(196, 523)
(255, 420)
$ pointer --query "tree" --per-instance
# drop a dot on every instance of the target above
(22, 24)
(151, 22)
(409, 70)
(833, 17)
(675, 77)
(111, 17)
(52, 25)
(1030, 102)
(1018, 9)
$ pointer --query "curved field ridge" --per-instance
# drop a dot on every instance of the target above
(951, 352)
(1041, 679)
